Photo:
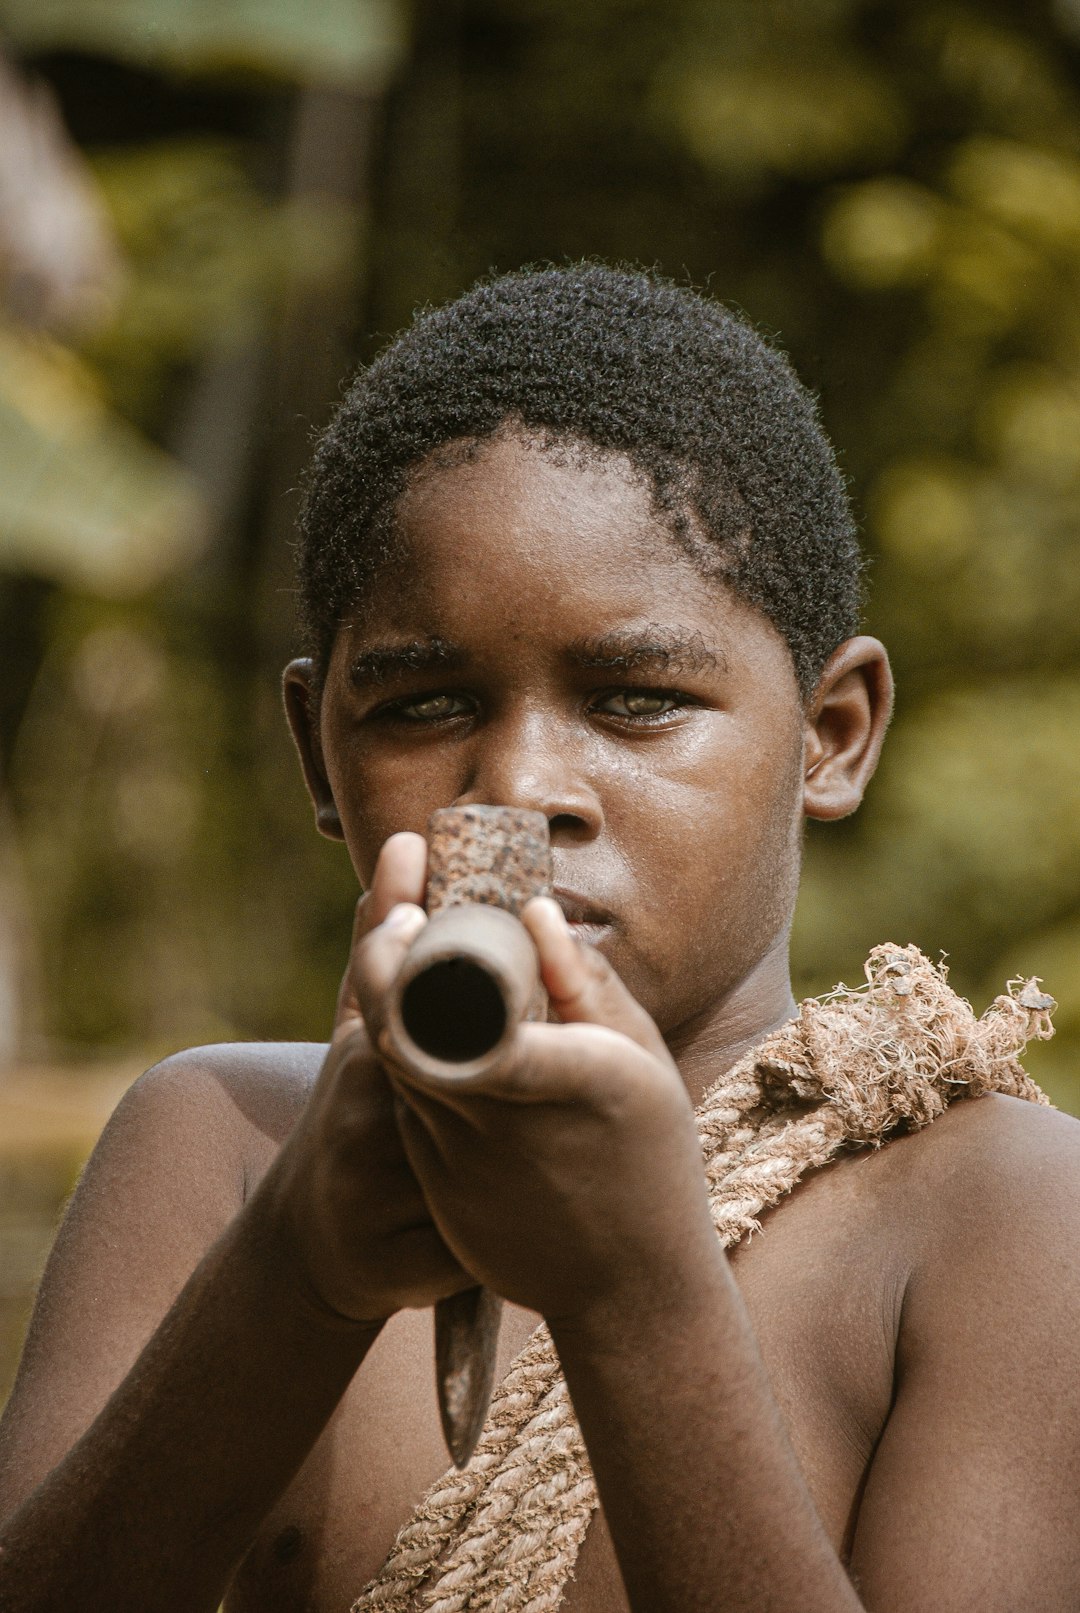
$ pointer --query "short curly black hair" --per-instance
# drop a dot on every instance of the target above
(726, 437)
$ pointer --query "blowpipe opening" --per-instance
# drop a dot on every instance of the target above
(454, 1011)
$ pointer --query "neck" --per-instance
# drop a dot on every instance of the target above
(706, 1046)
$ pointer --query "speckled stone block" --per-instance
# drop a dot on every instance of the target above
(496, 855)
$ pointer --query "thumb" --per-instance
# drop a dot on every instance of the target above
(374, 962)
(582, 986)
(400, 874)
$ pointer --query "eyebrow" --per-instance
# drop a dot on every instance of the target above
(654, 648)
(383, 662)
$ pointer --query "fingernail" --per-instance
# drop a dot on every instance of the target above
(404, 919)
(551, 907)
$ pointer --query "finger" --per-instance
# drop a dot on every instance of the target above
(435, 1271)
(437, 1179)
(440, 1103)
(572, 1063)
(581, 984)
(418, 1124)
(400, 876)
(376, 962)
(545, 1064)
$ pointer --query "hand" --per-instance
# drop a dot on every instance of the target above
(572, 1175)
(343, 1190)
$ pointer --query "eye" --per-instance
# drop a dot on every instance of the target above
(431, 708)
(640, 703)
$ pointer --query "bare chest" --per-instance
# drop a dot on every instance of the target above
(822, 1292)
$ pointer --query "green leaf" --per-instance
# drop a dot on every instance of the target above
(84, 498)
(356, 42)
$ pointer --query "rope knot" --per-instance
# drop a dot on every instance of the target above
(893, 1053)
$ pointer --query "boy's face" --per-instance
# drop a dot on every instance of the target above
(546, 644)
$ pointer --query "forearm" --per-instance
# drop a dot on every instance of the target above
(703, 1495)
(155, 1505)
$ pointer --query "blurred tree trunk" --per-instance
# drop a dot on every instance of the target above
(329, 160)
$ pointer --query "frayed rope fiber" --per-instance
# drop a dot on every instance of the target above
(850, 1070)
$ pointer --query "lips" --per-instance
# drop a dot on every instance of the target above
(581, 911)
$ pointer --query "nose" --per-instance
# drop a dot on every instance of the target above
(525, 762)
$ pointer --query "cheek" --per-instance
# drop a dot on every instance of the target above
(725, 810)
(720, 885)
(375, 800)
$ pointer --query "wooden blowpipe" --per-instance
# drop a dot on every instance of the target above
(469, 979)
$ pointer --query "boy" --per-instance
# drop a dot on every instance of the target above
(575, 543)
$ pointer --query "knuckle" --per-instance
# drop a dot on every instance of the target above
(362, 916)
(375, 962)
(367, 947)
(350, 1043)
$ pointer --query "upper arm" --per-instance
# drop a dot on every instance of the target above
(163, 1182)
(973, 1495)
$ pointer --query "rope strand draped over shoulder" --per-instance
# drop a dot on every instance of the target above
(850, 1070)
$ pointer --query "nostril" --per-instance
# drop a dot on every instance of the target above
(567, 824)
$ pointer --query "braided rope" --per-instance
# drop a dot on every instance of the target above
(850, 1069)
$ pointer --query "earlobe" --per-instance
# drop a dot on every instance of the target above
(846, 726)
(300, 691)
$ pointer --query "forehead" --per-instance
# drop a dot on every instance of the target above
(526, 477)
(514, 517)
(520, 551)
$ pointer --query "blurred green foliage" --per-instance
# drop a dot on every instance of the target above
(213, 261)
(893, 189)
(83, 495)
(336, 39)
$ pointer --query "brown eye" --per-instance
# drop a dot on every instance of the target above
(433, 708)
(639, 703)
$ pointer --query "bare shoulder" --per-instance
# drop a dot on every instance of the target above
(1008, 1128)
(989, 1192)
(266, 1082)
(241, 1096)
(214, 1116)
(207, 1122)
(994, 1163)
(984, 1199)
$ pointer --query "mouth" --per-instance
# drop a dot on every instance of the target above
(588, 921)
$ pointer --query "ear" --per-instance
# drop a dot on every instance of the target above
(299, 687)
(845, 727)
